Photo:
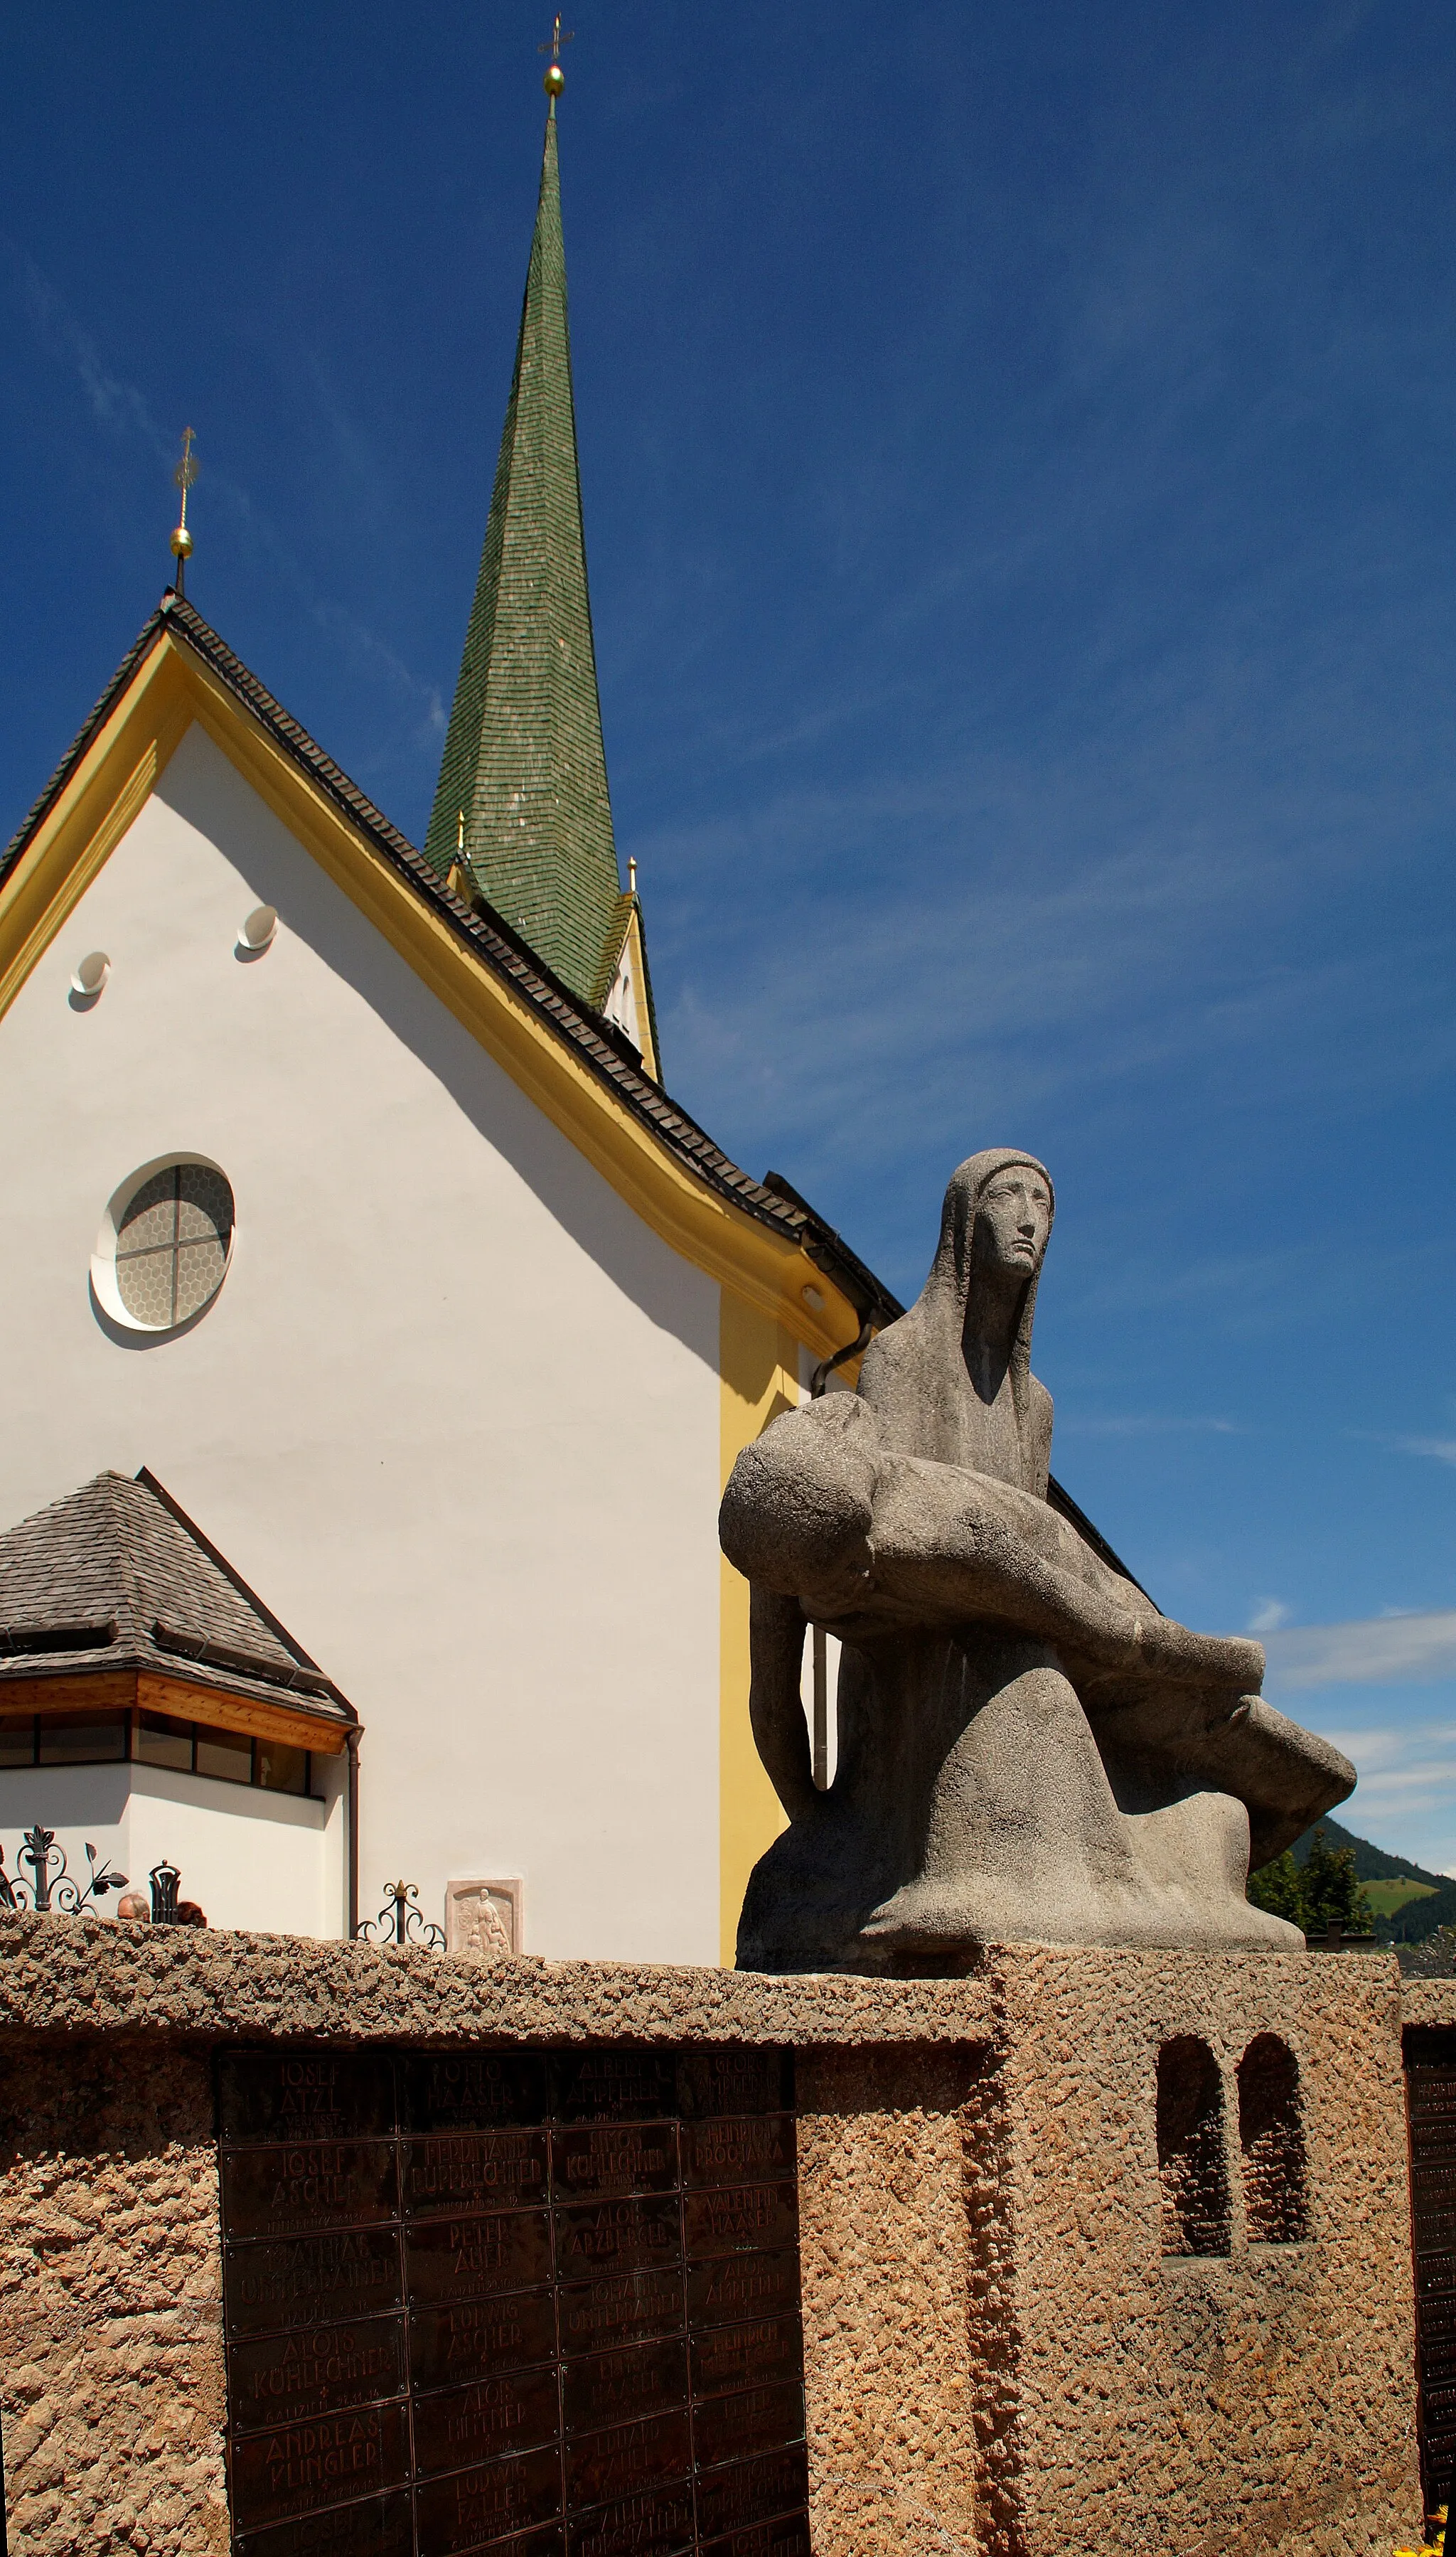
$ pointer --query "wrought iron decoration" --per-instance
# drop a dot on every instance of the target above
(164, 1879)
(52, 1887)
(401, 1921)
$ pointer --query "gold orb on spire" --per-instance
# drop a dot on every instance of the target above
(554, 79)
(185, 477)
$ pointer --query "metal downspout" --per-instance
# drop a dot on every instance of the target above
(351, 1854)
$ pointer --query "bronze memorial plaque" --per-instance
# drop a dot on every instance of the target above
(534, 2304)
(1431, 2094)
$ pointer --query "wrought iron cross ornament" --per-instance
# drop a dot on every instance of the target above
(401, 1921)
(52, 1887)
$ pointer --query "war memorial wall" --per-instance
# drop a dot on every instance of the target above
(310, 2247)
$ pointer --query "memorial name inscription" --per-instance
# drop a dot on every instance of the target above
(535, 2303)
(1430, 2088)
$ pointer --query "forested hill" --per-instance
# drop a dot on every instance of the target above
(1413, 1920)
(1371, 1864)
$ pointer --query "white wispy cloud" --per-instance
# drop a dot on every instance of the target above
(115, 404)
(1377, 1651)
(120, 408)
(1269, 1615)
(1444, 1449)
(1405, 1800)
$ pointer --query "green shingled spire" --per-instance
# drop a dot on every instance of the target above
(523, 753)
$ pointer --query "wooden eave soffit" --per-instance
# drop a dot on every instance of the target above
(149, 1692)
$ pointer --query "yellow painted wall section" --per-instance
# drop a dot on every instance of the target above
(759, 1367)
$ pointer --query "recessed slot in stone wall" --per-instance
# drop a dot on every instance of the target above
(1272, 2138)
(1190, 2149)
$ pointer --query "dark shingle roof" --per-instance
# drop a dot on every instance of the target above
(116, 1576)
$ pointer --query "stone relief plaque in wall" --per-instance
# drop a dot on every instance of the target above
(541, 2303)
(484, 1919)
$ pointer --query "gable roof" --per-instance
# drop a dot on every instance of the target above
(765, 1239)
(758, 1241)
(523, 795)
(115, 1576)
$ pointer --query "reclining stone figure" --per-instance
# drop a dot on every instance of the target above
(1027, 1749)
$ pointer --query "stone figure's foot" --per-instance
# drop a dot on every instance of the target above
(934, 1917)
(938, 1919)
(1234, 1926)
(806, 1896)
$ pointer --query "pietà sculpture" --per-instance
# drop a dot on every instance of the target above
(1027, 1749)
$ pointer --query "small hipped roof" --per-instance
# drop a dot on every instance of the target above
(116, 1576)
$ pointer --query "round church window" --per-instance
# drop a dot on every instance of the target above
(163, 1252)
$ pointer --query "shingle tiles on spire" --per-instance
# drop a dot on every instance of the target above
(524, 764)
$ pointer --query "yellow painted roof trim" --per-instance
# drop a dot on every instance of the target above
(112, 783)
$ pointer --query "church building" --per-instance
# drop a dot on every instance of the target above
(379, 1336)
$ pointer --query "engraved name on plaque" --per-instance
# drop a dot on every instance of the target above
(1430, 2092)
(534, 2304)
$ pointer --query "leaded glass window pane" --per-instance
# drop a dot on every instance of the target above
(173, 1244)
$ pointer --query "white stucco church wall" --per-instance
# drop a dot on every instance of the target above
(455, 1414)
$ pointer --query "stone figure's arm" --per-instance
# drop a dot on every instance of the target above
(954, 1546)
(817, 1510)
(797, 1512)
(776, 1629)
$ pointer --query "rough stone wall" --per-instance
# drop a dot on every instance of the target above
(63, 1975)
(111, 2379)
(1001, 2358)
(1254, 2401)
(1428, 2002)
(887, 2263)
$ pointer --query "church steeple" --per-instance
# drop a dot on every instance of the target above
(522, 800)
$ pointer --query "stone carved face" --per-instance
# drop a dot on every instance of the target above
(1013, 1221)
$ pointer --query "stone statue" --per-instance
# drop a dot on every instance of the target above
(1027, 1749)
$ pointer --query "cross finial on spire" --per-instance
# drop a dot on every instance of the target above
(184, 477)
(554, 79)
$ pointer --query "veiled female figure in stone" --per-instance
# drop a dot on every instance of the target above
(1027, 1749)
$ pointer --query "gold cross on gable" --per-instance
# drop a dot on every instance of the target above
(556, 40)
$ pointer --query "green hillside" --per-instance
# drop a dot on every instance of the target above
(1410, 1901)
(1371, 1863)
(1386, 1897)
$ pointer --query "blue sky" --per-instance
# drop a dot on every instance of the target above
(1018, 451)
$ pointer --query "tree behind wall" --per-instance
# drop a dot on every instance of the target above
(1325, 1892)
